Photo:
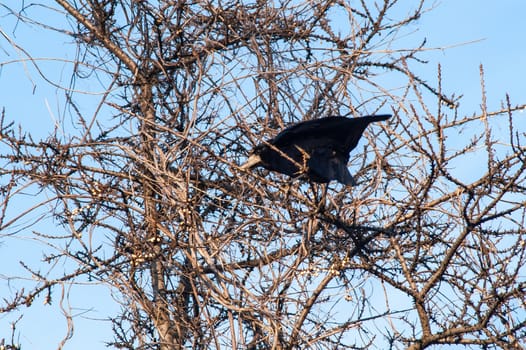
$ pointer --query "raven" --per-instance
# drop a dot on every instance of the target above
(318, 148)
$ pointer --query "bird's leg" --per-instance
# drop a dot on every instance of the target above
(322, 204)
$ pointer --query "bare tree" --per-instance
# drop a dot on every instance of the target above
(151, 202)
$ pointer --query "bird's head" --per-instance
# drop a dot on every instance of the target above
(254, 159)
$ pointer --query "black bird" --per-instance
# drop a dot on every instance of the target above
(318, 148)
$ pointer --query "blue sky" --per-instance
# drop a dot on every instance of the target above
(497, 24)
(494, 28)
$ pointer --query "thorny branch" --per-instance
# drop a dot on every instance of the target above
(151, 202)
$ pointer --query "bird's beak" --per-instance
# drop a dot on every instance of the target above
(252, 161)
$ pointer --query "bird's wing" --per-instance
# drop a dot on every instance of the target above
(326, 164)
(355, 128)
(310, 129)
(341, 131)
